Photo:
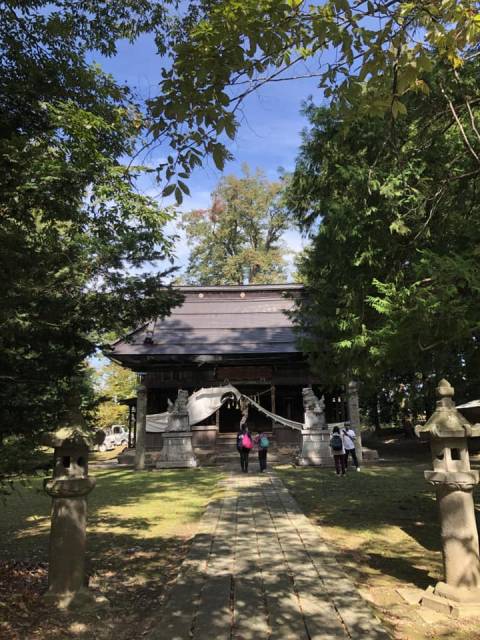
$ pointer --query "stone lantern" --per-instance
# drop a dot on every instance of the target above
(68, 489)
(447, 431)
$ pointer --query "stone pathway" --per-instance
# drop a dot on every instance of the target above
(257, 570)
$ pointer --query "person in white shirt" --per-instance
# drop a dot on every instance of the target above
(348, 436)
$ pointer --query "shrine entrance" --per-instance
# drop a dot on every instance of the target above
(229, 419)
(230, 414)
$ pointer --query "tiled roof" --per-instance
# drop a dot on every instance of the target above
(220, 320)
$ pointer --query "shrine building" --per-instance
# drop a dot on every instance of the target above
(240, 335)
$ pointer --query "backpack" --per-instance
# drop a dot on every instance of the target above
(247, 441)
(336, 442)
(264, 442)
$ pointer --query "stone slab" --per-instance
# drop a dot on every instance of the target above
(411, 595)
(429, 616)
(180, 464)
(214, 613)
(258, 569)
(435, 603)
(250, 613)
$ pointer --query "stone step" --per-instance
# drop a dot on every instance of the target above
(272, 458)
(233, 443)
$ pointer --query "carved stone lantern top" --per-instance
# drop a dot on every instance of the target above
(71, 445)
(446, 421)
(447, 431)
(73, 437)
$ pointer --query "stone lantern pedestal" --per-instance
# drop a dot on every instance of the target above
(69, 488)
(447, 430)
(177, 451)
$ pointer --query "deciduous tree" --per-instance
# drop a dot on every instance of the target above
(240, 234)
(368, 53)
(114, 383)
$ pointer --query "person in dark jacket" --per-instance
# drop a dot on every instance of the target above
(244, 446)
(262, 442)
(338, 451)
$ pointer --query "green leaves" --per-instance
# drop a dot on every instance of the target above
(168, 190)
(223, 52)
(218, 155)
(73, 226)
(393, 213)
(241, 230)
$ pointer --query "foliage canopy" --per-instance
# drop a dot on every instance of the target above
(371, 54)
(114, 383)
(395, 223)
(74, 231)
(240, 234)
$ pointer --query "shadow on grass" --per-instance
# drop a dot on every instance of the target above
(400, 568)
(137, 497)
(369, 501)
(131, 575)
(391, 510)
(394, 445)
(138, 533)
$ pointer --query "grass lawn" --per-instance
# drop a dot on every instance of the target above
(139, 527)
(383, 522)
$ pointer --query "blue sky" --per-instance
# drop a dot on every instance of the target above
(269, 135)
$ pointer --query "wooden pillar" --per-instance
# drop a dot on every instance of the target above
(134, 426)
(273, 402)
(129, 426)
(141, 428)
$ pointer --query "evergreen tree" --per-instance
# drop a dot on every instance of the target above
(73, 228)
(393, 212)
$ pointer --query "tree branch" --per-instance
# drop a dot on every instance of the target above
(460, 126)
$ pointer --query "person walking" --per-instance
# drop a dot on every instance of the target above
(349, 436)
(262, 442)
(244, 446)
(338, 451)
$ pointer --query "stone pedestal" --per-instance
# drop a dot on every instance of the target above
(66, 571)
(315, 449)
(315, 437)
(177, 451)
(459, 595)
(458, 526)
